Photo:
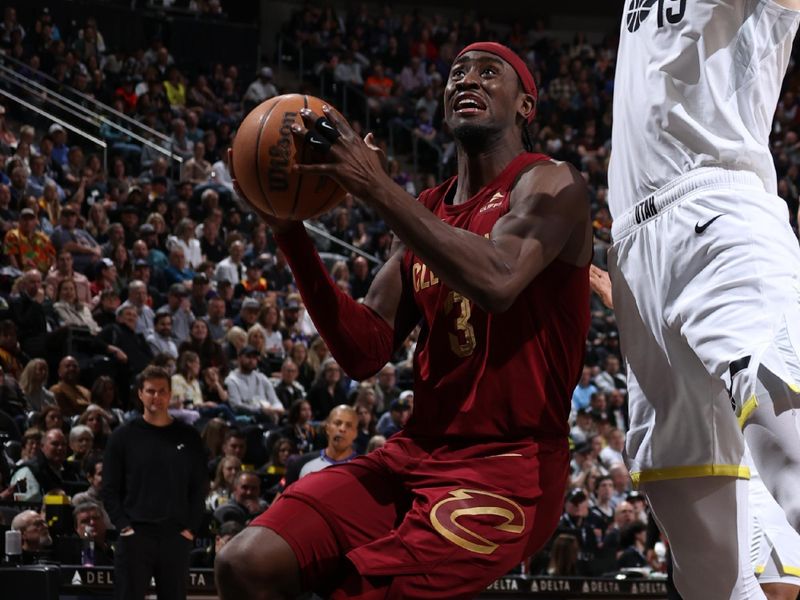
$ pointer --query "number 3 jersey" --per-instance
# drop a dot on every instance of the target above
(501, 376)
(697, 83)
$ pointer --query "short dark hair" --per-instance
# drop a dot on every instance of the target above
(234, 433)
(90, 463)
(152, 372)
(7, 326)
(603, 478)
(161, 315)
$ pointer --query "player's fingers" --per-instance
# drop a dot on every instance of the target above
(340, 123)
(309, 136)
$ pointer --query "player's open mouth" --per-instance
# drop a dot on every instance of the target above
(467, 104)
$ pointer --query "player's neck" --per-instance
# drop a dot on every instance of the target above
(477, 168)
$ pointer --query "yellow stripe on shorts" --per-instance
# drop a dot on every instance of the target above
(738, 471)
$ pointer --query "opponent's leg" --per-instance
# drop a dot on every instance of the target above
(257, 564)
(704, 509)
(775, 445)
(779, 591)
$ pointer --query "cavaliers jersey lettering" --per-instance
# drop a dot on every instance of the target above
(503, 376)
(696, 85)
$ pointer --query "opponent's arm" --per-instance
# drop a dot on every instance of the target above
(549, 215)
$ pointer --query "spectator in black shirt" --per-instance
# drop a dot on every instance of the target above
(633, 539)
(575, 522)
(287, 389)
(154, 489)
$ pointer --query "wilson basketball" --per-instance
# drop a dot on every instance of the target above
(264, 152)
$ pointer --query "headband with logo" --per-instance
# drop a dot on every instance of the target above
(513, 59)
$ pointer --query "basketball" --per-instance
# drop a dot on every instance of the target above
(264, 152)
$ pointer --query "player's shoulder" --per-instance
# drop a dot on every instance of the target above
(552, 178)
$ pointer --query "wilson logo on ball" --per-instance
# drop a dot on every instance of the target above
(278, 174)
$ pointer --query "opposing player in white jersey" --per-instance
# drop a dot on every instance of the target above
(706, 273)
(774, 543)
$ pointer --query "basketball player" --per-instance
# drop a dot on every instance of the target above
(774, 544)
(705, 269)
(494, 265)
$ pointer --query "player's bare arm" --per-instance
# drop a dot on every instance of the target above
(548, 219)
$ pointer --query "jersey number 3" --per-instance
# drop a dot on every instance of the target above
(462, 341)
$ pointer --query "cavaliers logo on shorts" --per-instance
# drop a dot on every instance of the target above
(456, 517)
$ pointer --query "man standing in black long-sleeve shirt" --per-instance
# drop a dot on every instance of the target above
(154, 487)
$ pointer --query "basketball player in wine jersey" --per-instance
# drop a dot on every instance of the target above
(706, 273)
(493, 264)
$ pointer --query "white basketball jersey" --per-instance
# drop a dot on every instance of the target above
(697, 83)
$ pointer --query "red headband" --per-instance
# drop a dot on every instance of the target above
(511, 57)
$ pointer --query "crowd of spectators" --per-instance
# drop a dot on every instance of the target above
(109, 268)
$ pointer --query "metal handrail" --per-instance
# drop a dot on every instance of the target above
(55, 119)
(86, 97)
(78, 110)
(332, 238)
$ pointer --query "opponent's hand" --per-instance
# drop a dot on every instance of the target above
(601, 285)
(355, 164)
(277, 225)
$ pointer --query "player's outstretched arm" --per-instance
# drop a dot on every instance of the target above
(548, 219)
(362, 337)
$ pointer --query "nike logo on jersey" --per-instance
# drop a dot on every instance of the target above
(671, 11)
(494, 202)
(701, 228)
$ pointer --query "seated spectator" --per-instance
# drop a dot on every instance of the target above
(63, 269)
(341, 428)
(93, 471)
(375, 442)
(213, 386)
(245, 504)
(90, 524)
(582, 395)
(583, 428)
(259, 90)
(105, 278)
(71, 397)
(138, 298)
(386, 389)
(49, 470)
(203, 558)
(98, 420)
(197, 169)
(36, 539)
(366, 424)
(105, 313)
(249, 391)
(622, 481)
(274, 470)
(50, 417)
(218, 325)
(12, 358)
(612, 453)
(222, 484)
(209, 351)
(28, 248)
(31, 443)
(68, 236)
(81, 440)
(563, 556)
(299, 429)
(122, 335)
(185, 239)
(288, 389)
(231, 268)
(178, 270)
(235, 340)
(396, 418)
(601, 515)
(606, 560)
(32, 382)
(71, 312)
(257, 338)
(328, 389)
(187, 392)
(633, 540)
(234, 444)
(178, 307)
(31, 312)
(575, 522)
(161, 340)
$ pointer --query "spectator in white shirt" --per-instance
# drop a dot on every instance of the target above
(137, 297)
(160, 339)
(249, 390)
(184, 238)
(231, 268)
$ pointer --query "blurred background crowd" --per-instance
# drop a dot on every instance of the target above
(141, 253)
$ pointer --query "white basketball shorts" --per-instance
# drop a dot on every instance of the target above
(705, 272)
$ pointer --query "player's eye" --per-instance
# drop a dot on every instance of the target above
(456, 73)
(489, 71)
